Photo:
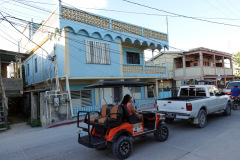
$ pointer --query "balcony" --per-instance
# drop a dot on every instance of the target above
(13, 86)
(207, 71)
(135, 70)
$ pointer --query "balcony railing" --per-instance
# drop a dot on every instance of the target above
(98, 21)
(207, 71)
(193, 71)
(144, 70)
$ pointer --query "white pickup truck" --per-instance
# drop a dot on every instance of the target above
(195, 102)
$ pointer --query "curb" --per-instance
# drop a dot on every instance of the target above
(65, 123)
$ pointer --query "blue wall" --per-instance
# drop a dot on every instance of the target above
(44, 67)
(77, 58)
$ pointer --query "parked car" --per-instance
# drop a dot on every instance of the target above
(195, 103)
(229, 86)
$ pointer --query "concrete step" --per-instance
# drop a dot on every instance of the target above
(2, 129)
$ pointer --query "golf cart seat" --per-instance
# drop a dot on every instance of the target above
(111, 116)
(104, 112)
(126, 116)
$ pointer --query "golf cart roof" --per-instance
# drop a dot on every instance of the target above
(111, 84)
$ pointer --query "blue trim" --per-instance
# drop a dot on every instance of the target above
(93, 96)
(145, 75)
(99, 96)
(142, 92)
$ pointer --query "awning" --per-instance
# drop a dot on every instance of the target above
(111, 84)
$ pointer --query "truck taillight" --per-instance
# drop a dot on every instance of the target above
(232, 97)
(189, 106)
(228, 93)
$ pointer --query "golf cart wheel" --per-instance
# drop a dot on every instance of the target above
(162, 133)
(122, 147)
(202, 119)
(169, 120)
(227, 111)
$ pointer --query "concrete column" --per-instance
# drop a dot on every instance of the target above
(156, 88)
(121, 56)
(224, 82)
(230, 59)
(20, 61)
(14, 70)
(201, 63)
(222, 61)
(184, 65)
(33, 106)
(214, 64)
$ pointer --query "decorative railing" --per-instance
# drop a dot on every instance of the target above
(143, 69)
(132, 69)
(84, 17)
(94, 20)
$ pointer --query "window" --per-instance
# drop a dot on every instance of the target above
(36, 65)
(133, 58)
(200, 92)
(195, 64)
(81, 98)
(28, 69)
(97, 52)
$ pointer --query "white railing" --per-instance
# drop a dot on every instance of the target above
(209, 70)
(178, 72)
(219, 71)
(193, 71)
(155, 70)
(228, 71)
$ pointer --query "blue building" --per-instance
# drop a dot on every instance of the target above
(90, 48)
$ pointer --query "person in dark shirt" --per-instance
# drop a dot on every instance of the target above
(235, 91)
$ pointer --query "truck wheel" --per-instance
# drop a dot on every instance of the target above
(227, 111)
(162, 133)
(202, 119)
(169, 120)
(122, 147)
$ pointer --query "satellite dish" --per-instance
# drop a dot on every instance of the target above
(219, 77)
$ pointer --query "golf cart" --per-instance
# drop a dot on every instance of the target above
(113, 126)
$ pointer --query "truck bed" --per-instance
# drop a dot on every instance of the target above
(183, 98)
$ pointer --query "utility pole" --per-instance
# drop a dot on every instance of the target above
(54, 59)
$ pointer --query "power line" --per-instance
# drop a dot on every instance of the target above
(224, 6)
(180, 15)
(21, 32)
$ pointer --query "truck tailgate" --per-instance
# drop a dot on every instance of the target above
(172, 106)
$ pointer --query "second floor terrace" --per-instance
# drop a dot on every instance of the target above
(202, 62)
(91, 46)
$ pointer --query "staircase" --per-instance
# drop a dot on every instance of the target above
(3, 107)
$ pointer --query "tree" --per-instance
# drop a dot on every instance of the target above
(236, 62)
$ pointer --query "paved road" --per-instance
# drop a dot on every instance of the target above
(219, 140)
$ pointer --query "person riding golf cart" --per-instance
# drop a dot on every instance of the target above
(113, 125)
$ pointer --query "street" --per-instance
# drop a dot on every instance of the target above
(220, 139)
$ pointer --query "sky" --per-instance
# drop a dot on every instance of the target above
(185, 32)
